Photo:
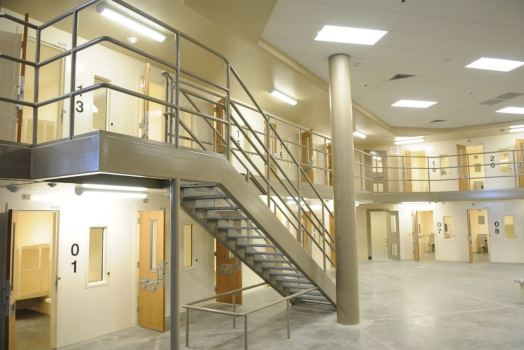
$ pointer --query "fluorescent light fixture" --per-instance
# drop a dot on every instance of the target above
(496, 64)
(516, 130)
(406, 138)
(416, 203)
(107, 191)
(283, 97)
(413, 104)
(377, 158)
(516, 126)
(129, 22)
(359, 134)
(114, 188)
(407, 142)
(512, 110)
(350, 35)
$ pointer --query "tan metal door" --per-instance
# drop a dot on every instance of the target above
(520, 161)
(10, 276)
(274, 149)
(151, 291)
(146, 80)
(462, 163)
(393, 235)
(416, 245)
(228, 274)
(470, 240)
(406, 164)
(330, 164)
(307, 156)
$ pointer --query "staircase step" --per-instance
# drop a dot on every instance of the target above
(282, 261)
(295, 281)
(287, 274)
(211, 196)
(299, 287)
(265, 253)
(247, 236)
(256, 245)
(197, 185)
(237, 227)
(316, 300)
(313, 294)
(228, 218)
(284, 268)
(216, 208)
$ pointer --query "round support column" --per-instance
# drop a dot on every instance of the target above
(348, 312)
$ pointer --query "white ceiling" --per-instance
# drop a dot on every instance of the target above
(432, 39)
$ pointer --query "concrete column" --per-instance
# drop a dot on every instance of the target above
(175, 264)
(344, 190)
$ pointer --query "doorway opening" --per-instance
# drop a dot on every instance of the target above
(33, 298)
(423, 236)
(383, 235)
(478, 227)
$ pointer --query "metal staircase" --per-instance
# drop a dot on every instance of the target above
(226, 222)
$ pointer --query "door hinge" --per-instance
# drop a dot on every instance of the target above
(138, 309)
(139, 220)
(138, 264)
(5, 298)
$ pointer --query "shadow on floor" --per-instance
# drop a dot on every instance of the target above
(32, 330)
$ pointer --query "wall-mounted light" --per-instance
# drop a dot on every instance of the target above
(408, 140)
(359, 134)
(282, 97)
(111, 191)
(129, 22)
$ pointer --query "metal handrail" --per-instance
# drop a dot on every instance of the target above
(245, 314)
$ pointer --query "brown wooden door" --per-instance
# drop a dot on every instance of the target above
(406, 164)
(151, 291)
(462, 163)
(520, 161)
(274, 149)
(146, 81)
(330, 164)
(470, 241)
(307, 242)
(10, 276)
(333, 255)
(307, 156)
(228, 274)
(416, 244)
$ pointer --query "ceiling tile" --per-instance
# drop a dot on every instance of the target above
(490, 32)
(365, 18)
(328, 49)
(363, 85)
(519, 41)
(475, 74)
(302, 11)
(288, 46)
(507, 15)
(457, 83)
(410, 41)
(470, 10)
(494, 85)
(356, 93)
(313, 61)
(386, 5)
(362, 75)
(428, 69)
(393, 54)
(377, 102)
(446, 58)
(429, 25)
(320, 72)
(323, 1)
(468, 47)
(293, 30)
(510, 52)
(377, 65)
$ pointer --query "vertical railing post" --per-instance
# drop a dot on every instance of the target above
(177, 91)
(362, 186)
(167, 117)
(467, 167)
(268, 166)
(429, 174)
(234, 310)
(187, 328)
(515, 170)
(299, 182)
(37, 83)
(245, 333)
(228, 113)
(288, 319)
(324, 232)
(74, 41)
(326, 161)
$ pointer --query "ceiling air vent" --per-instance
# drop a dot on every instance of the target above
(509, 95)
(438, 121)
(401, 76)
(491, 102)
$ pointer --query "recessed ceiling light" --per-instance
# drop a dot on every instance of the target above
(413, 104)
(512, 110)
(359, 134)
(350, 35)
(129, 22)
(405, 138)
(408, 140)
(495, 64)
(132, 40)
(283, 97)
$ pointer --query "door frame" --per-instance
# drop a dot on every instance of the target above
(53, 207)
(469, 233)
(368, 220)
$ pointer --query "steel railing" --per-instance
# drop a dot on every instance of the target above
(245, 314)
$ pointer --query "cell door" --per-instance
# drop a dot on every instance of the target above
(274, 148)
(307, 157)
(146, 90)
(393, 235)
(10, 276)
(307, 242)
(406, 167)
(9, 71)
(416, 246)
(151, 292)
(228, 274)
(462, 163)
(520, 161)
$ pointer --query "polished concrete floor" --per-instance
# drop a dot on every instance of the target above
(32, 330)
(404, 305)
